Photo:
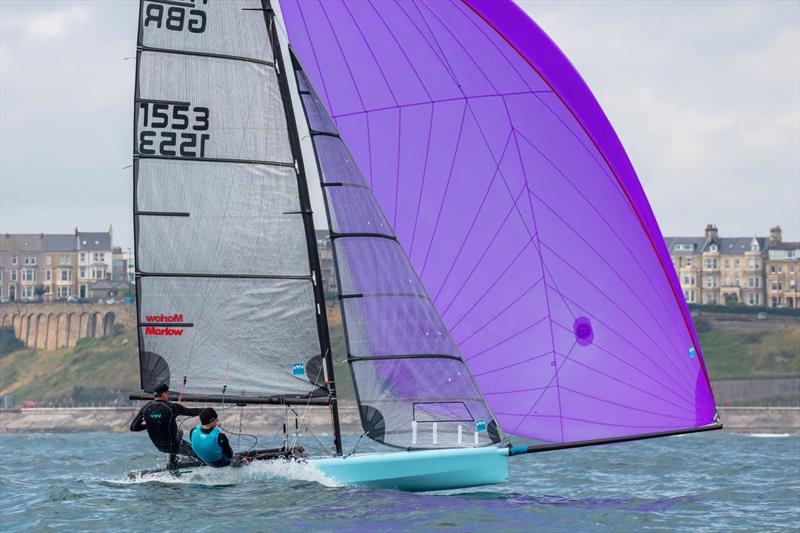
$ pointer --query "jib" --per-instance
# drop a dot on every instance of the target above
(175, 18)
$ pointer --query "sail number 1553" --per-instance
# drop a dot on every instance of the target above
(173, 129)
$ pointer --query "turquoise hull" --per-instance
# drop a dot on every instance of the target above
(420, 470)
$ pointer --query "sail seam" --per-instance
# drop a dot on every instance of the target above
(137, 155)
(161, 213)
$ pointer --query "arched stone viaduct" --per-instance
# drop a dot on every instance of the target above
(46, 327)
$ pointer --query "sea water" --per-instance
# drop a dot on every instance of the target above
(716, 481)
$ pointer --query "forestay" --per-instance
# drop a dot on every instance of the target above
(225, 302)
(412, 386)
(513, 198)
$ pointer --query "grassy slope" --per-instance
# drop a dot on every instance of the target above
(111, 363)
(738, 354)
(108, 363)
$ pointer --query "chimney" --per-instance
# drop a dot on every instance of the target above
(711, 232)
(775, 235)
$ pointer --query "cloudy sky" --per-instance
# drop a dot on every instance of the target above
(704, 95)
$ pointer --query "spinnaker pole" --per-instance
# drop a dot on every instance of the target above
(308, 220)
(519, 450)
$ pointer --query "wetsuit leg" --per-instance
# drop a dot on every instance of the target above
(186, 449)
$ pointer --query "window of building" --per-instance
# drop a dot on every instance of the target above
(28, 275)
(791, 269)
(684, 247)
(82, 273)
(688, 261)
(27, 292)
(727, 263)
(713, 248)
(30, 260)
(48, 260)
(63, 275)
(776, 286)
(775, 301)
(772, 269)
(64, 260)
(792, 283)
(13, 275)
(13, 259)
(99, 257)
(83, 257)
(711, 282)
(63, 292)
(752, 299)
(753, 282)
(710, 263)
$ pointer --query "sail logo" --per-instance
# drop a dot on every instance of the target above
(299, 369)
(480, 425)
(151, 329)
(169, 332)
(178, 17)
(177, 317)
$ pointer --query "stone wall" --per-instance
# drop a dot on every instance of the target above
(732, 390)
(46, 327)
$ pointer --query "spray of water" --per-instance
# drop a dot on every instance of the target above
(254, 472)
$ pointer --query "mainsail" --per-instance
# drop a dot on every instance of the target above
(515, 202)
(412, 386)
(229, 295)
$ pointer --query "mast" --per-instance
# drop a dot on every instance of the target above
(308, 220)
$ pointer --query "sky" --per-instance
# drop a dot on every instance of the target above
(705, 97)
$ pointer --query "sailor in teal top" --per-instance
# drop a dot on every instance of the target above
(208, 442)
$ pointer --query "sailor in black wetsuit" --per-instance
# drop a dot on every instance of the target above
(158, 418)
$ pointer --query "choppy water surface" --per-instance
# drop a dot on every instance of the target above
(705, 482)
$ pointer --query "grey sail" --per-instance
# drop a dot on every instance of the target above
(226, 298)
(412, 386)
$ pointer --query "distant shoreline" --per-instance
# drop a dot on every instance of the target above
(269, 419)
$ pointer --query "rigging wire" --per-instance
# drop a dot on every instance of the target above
(356, 445)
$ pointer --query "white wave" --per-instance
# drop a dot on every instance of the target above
(770, 435)
(257, 471)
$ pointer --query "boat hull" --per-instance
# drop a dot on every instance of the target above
(422, 470)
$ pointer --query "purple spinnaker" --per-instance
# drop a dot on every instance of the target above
(518, 208)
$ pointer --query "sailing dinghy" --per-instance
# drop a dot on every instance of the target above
(499, 271)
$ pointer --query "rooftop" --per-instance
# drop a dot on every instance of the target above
(55, 242)
(725, 245)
